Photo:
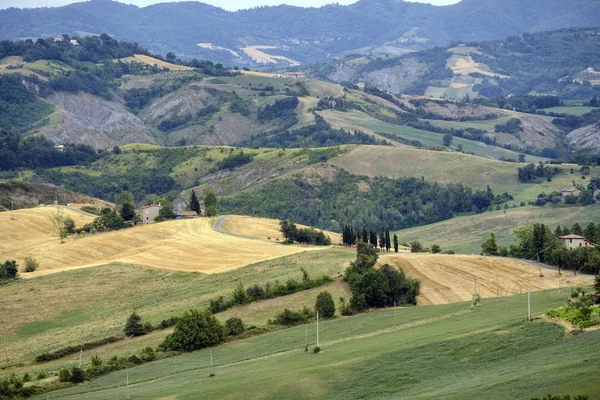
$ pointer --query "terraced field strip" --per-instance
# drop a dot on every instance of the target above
(449, 279)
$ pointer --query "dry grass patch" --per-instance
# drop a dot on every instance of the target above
(448, 279)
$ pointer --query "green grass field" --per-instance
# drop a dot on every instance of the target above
(73, 307)
(449, 167)
(357, 120)
(454, 351)
(465, 234)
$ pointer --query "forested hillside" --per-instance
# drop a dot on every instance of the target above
(368, 26)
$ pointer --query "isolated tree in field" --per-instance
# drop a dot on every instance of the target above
(490, 247)
(447, 140)
(435, 249)
(116, 149)
(31, 264)
(8, 270)
(210, 199)
(387, 240)
(195, 203)
(57, 218)
(134, 326)
(195, 330)
(325, 305)
(395, 243)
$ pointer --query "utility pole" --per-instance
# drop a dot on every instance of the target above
(528, 305)
(211, 361)
(395, 314)
(317, 329)
(80, 355)
(475, 294)
(306, 336)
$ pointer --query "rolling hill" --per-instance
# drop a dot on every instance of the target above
(188, 245)
(198, 30)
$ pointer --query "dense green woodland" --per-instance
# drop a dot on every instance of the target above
(20, 108)
(37, 152)
(388, 203)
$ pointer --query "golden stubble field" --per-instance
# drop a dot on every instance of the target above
(451, 278)
(183, 245)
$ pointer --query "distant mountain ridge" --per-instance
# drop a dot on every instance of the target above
(303, 34)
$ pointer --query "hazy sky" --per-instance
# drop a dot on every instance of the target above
(227, 4)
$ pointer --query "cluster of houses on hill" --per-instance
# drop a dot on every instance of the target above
(149, 212)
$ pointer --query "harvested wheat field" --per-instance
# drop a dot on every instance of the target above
(263, 228)
(183, 245)
(32, 227)
(451, 278)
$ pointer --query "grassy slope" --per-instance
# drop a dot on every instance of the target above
(358, 120)
(72, 307)
(451, 352)
(447, 167)
(465, 234)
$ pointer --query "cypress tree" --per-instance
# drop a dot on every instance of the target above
(396, 243)
(195, 203)
(387, 240)
(365, 238)
(351, 242)
(381, 240)
(373, 238)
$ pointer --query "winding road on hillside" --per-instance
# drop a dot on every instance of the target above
(218, 226)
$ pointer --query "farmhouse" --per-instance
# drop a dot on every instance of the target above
(294, 75)
(570, 192)
(185, 214)
(148, 213)
(575, 241)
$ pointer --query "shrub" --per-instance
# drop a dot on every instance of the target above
(8, 270)
(96, 361)
(317, 349)
(42, 375)
(235, 326)
(435, 249)
(77, 375)
(31, 264)
(134, 326)
(416, 247)
(64, 375)
(290, 318)
(325, 305)
(345, 308)
(148, 354)
(195, 330)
